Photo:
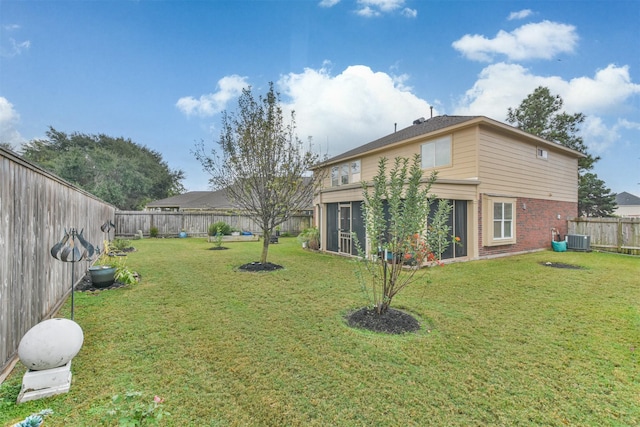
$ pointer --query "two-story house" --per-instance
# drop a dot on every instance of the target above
(510, 190)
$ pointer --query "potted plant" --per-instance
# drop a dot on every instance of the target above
(111, 267)
(103, 272)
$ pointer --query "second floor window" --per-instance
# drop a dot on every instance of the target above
(346, 173)
(436, 153)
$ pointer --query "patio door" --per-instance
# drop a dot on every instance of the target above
(344, 228)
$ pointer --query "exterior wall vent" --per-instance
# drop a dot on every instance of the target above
(578, 242)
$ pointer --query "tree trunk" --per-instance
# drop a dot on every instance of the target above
(265, 247)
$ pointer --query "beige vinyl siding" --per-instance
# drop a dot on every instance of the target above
(464, 167)
(343, 194)
(456, 191)
(510, 167)
(463, 156)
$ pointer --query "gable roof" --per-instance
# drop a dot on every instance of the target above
(423, 127)
(627, 199)
(195, 200)
(420, 127)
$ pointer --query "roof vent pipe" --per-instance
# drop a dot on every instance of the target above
(431, 108)
(395, 127)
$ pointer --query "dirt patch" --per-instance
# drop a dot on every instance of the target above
(216, 248)
(259, 267)
(561, 265)
(392, 322)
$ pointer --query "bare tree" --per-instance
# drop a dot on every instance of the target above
(261, 163)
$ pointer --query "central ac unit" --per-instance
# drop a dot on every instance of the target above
(578, 242)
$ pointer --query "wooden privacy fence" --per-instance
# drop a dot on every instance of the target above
(196, 224)
(35, 209)
(609, 234)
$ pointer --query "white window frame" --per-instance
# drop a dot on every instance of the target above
(432, 150)
(355, 169)
(346, 173)
(335, 176)
(488, 221)
(541, 153)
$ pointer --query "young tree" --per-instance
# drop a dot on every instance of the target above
(400, 239)
(540, 113)
(261, 163)
(117, 170)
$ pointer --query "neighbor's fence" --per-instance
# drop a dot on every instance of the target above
(196, 224)
(609, 234)
(35, 209)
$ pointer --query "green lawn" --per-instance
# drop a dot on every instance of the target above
(504, 342)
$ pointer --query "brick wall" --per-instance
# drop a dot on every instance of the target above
(534, 220)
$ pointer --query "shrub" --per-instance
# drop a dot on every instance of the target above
(153, 232)
(311, 236)
(219, 227)
(120, 245)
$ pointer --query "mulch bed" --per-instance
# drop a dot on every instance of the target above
(259, 267)
(561, 265)
(218, 248)
(392, 322)
(86, 285)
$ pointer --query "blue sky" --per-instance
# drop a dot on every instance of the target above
(161, 72)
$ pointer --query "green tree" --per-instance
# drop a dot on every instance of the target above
(400, 237)
(540, 113)
(598, 201)
(117, 170)
(261, 163)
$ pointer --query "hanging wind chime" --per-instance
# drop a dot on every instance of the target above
(72, 248)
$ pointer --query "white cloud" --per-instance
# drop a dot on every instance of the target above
(521, 14)
(328, 3)
(14, 48)
(607, 90)
(626, 124)
(349, 109)
(409, 13)
(542, 40)
(9, 119)
(210, 104)
(597, 135)
(371, 8)
(500, 86)
(367, 12)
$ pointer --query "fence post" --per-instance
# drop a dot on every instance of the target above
(619, 236)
